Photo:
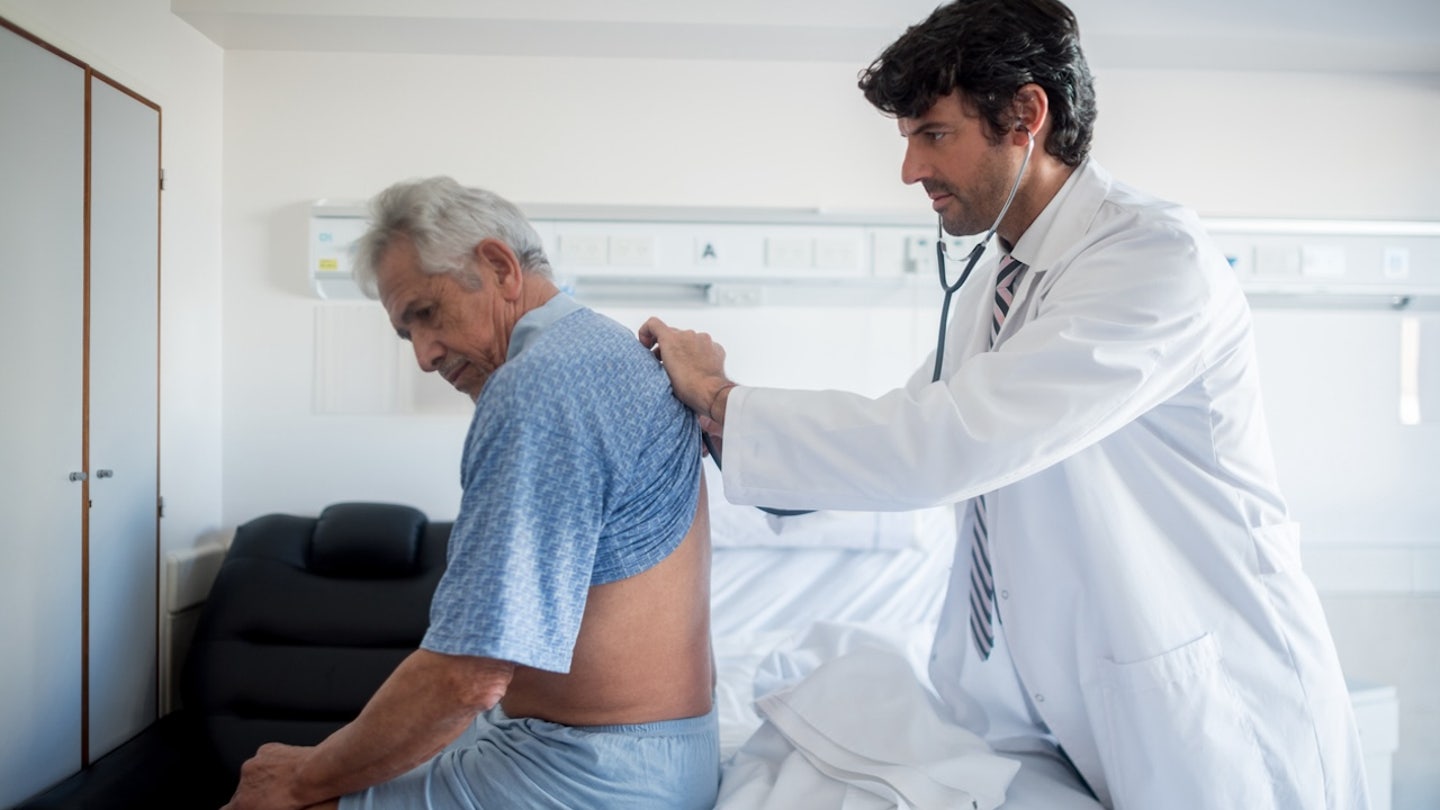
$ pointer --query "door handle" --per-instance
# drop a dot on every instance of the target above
(104, 473)
(78, 476)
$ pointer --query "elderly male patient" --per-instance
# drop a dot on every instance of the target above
(567, 662)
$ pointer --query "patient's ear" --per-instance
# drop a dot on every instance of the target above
(500, 266)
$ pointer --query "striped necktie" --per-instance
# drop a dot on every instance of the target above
(984, 613)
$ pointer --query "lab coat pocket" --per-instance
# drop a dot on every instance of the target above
(1277, 547)
(1173, 733)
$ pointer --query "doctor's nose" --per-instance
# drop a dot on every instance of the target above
(913, 169)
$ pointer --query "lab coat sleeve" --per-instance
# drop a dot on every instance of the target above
(1126, 324)
(922, 376)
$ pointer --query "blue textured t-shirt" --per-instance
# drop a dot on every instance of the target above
(580, 468)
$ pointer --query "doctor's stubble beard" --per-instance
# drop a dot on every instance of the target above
(991, 186)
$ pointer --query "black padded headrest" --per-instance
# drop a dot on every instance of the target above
(367, 540)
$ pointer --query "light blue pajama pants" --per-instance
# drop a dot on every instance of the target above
(501, 763)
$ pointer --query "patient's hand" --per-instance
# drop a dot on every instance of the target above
(270, 780)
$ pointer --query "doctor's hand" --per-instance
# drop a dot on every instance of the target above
(696, 367)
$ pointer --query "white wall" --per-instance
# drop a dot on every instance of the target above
(1327, 146)
(304, 126)
(141, 45)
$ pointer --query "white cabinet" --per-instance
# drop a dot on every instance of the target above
(123, 435)
(79, 241)
(42, 332)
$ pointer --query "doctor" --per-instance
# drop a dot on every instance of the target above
(1127, 588)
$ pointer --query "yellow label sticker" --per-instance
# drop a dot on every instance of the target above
(329, 265)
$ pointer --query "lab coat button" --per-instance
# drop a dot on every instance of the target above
(1004, 594)
(1039, 698)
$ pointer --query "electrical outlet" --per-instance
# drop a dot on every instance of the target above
(1322, 261)
(583, 249)
(787, 252)
(837, 253)
(1396, 263)
(632, 251)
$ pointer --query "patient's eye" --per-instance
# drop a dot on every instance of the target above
(422, 312)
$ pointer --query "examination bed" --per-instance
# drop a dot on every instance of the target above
(832, 610)
(797, 596)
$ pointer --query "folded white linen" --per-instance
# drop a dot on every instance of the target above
(861, 732)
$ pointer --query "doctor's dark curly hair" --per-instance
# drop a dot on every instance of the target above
(988, 49)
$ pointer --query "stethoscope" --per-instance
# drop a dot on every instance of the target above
(941, 255)
(950, 289)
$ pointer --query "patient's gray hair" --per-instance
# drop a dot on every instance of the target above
(445, 221)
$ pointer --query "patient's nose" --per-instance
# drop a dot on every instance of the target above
(429, 353)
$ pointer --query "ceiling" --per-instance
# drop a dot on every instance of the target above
(1401, 36)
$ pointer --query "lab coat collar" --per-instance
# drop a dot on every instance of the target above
(1059, 228)
(1065, 219)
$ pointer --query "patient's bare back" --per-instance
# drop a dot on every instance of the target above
(643, 653)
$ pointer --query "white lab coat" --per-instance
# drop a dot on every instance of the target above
(1153, 607)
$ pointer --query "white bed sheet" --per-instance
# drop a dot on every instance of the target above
(765, 601)
(764, 590)
(778, 613)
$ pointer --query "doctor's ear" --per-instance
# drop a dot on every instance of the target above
(1030, 107)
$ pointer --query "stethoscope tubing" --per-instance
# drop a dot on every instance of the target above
(941, 255)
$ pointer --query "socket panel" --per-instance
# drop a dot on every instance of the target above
(775, 256)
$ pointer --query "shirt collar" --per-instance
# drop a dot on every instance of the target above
(527, 330)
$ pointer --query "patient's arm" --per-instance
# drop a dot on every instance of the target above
(424, 705)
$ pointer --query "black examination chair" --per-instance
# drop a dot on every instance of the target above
(306, 618)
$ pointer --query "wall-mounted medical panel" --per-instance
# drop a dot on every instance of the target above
(704, 256)
(1334, 263)
(705, 251)
(333, 231)
(748, 257)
